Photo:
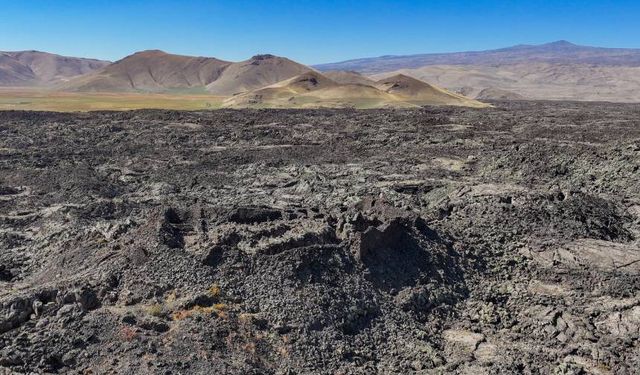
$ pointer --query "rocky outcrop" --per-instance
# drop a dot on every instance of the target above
(437, 240)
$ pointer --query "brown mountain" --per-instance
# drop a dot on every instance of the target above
(34, 68)
(262, 81)
(282, 92)
(152, 71)
(257, 72)
(14, 73)
(416, 91)
(313, 89)
(552, 71)
(539, 81)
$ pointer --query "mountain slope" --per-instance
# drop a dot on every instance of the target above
(283, 91)
(153, 71)
(34, 68)
(313, 89)
(540, 81)
(257, 72)
(304, 82)
(14, 73)
(416, 91)
(560, 52)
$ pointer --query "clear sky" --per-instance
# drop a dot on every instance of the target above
(309, 31)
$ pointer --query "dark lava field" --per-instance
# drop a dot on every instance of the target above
(430, 241)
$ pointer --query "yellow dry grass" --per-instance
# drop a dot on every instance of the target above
(329, 95)
(219, 309)
(41, 100)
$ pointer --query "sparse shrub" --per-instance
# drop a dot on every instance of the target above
(196, 310)
(245, 318)
(171, 298)
(181, 314)
(218, 309)
(128, 333)
(250, 347)
(283, 351)
(214, 290)
(156, 310)
(221, 310)
(220, 306)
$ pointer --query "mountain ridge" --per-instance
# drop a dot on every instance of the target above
(548, 52)
(37, 68)
(558, 70)
(152, 71)
(256, 72)
(313, 89)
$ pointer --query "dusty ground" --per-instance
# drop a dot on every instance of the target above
(499, 240)
(40, 99)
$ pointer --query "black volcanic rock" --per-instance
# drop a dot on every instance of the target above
(433, 240)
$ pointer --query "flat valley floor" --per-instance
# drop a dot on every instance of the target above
(34, 99)
(436, 240)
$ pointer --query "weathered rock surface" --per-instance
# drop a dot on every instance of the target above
(431, 241)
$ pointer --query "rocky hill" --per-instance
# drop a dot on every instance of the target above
(34, 68)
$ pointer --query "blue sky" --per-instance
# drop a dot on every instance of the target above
(309, 31)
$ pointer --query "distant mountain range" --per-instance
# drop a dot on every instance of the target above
(561, 52)
(554, 71)
(261, 81)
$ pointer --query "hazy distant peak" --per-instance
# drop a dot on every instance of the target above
(561, 52)
(561, 43)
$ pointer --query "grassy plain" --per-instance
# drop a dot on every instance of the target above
(41, 100)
